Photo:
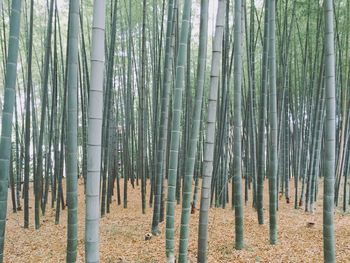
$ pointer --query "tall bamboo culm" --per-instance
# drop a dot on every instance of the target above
(7, 113)
(72, 132)
(210, 133)
(330, 135)
(95, 114)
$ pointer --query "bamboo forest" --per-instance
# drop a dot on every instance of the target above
(141, 131)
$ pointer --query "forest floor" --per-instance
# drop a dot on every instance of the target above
(123, 235)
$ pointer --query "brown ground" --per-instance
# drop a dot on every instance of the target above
(123, 231)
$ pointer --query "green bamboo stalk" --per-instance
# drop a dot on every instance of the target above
(27, 120)
(12, 184)
(61, 150)
(110, 115)
(273, 162)
(162, 138)
(7, 113)
(196, 123)
(95, 114)
(84, 89)
(55, 116)
(176, 129)
(142, 108)
(330, 135)
(238, 126)
(72, 123)
(210, 133)
(262, 119)
(19, 160)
